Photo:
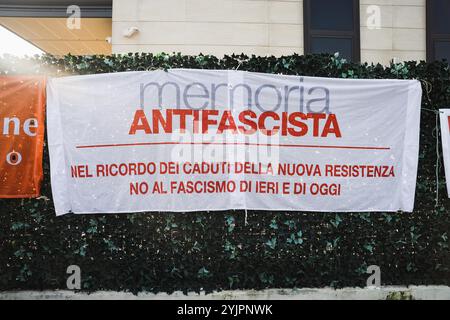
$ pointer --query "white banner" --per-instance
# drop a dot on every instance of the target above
(188, 140)
(445, 136)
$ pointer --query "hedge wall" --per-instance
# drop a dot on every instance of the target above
(217, 250)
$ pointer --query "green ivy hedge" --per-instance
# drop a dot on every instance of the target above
(218, 250)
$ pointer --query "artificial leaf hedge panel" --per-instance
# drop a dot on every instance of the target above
(221, 250)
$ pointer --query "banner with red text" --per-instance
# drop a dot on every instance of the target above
(445, 136)
(22, 114)
(188, 140)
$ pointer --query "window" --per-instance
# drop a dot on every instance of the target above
(438, 30)
(332, 26)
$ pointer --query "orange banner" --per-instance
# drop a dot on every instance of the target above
(22, 112)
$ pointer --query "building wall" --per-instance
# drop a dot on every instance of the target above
(402, 34)
(260, 27)
(209, 26)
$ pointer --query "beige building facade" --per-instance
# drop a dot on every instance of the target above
(389, 29)
(378, 30)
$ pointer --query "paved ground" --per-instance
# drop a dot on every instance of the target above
(397, 293)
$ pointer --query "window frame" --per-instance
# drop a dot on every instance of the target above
(354, 35)
(432, 36)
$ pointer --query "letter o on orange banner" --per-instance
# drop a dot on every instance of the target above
(22, 113)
